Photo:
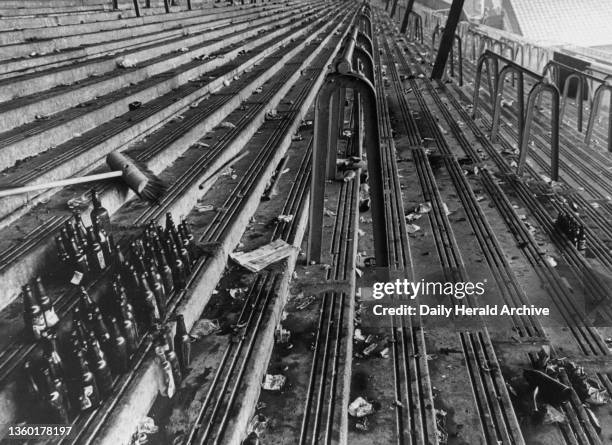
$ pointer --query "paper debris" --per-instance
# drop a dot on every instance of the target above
(204, 327)
(360, 408)
(126, 62)
(262, 257)
(273, 382)
(412, 228)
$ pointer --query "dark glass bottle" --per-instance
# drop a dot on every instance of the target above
(88, 394)
(62, 253)
(119, 356)
(51, 353)
(86, 304)
(99, 212)
(166, 274)
(179, 273)
(58, 411)
(130, 329)
(100, 365)
(182, 344)
(150, 309)
(79, 225)
(33, 316)
(175, 366)
(157, 286)
(78, 257)
(51, 318)
(31, 382)
(95, 255)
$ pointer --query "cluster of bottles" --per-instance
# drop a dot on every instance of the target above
(97, 349)
(569, 225)
(39, 314)
(104, 335)
(86, 250)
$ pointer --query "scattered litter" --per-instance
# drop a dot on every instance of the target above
(358, 336)
(203, 208)
(480, 198)
(226, 82)
(145, 428)
(258, 90)
(126, 62)
(423, 208)
(237, 292)
(282, 335)
(204, 327)
(360, 408)
(302, 302)
(184, 49)
(445, 207)
(297, 137)
(328, 212)
(413, 216)
(41, 117)
(384, 353)
(202, 144)
(550, 261)
(284, 218)
(134, 105)
(412, 228)
(263, 256)
(349, 175)
(226, 124)
(273, 382)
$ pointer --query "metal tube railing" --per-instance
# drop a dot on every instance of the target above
(535, 92)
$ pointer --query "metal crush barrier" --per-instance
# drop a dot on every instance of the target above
(353, 70)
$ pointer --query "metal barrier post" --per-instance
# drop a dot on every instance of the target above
(136, 8)
(536, 91)
(595, 106)
(167, 6)
(406, 16)
(499, 92)
(393, 8)
(486, 57)
(115, 4)
(579, 95)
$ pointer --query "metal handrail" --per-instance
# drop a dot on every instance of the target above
(535, 92)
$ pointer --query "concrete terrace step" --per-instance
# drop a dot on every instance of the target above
(162, 19)
(21, 142)
(78, 70)
(192, 23)
(20, 111)
(281, 76)
(141, 393)
(169, 142)
(13, 68)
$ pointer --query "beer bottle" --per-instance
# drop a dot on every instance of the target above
(78, 257)
(31, 382)
(51, 353)
(171, 231)
(51, 318)
(166, 384)
(582, 241)
(151, 311)
(101, 331)
(179, 274)
(95, 254)
(56, 403)
(175, 366)
(182, 344)
(86, 304)
(166, 273)
(105, 243)
(33, 316)
(130, 330)
(119, 356)
(99, 213)
(62, 253)
(79, 225)
(100, 366)
(88, 394)
(157, 287)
